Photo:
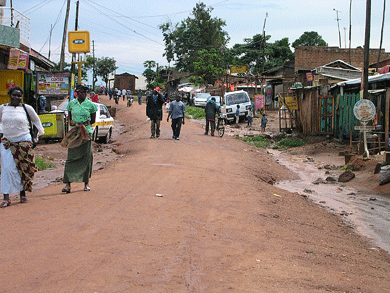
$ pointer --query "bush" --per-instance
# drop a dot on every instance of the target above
(195, 112)
(42, 164)
(257, 141)
(291, 143)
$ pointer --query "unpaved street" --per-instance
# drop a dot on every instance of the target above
(219, 226)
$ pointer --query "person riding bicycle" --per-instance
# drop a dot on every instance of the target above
(211, 110)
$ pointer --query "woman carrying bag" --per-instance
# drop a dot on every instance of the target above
(17, 150)
(78, 166)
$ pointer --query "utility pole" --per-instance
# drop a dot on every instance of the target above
(62, 58)
(93, 68)
(338, 24)
(76, 26)
(261, 49)
(51, 30)
(345, 37)
(350, 29)
(366, 50)
(380, 43)
(157, 73)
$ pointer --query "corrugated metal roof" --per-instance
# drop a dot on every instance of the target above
(371, 79)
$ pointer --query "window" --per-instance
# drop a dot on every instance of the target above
(237, 98)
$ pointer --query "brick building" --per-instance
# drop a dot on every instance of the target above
(307, 58)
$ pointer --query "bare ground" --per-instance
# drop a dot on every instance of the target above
(216, 226)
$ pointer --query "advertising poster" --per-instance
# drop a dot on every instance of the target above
(13, 60)
(291, 102)
(53, 83)
(259, 101)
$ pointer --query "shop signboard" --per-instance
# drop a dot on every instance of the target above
(238, 69)
(53, 83)
(79, 42)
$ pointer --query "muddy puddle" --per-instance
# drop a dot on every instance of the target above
(366, 213)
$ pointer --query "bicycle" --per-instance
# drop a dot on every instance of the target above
(221, 124)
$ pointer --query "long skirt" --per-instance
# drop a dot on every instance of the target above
(78, 166)
(11, 181)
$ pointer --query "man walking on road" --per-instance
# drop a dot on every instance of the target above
(176, 111)
(154, 104)
(211, 109)
(139, 95)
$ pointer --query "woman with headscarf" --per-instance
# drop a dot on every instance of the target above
(17, 153)
(78, 166)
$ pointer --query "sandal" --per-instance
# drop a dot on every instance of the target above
(87, 188)
(5, 203)
(66, 190)
(23, 199)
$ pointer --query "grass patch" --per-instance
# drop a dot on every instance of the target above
(42, 164)
(195, 112)
(291, 143)
(257, 141)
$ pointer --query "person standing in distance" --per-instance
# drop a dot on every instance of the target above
(176, 111)
(211, 109)
(154, 104)
(139, 95)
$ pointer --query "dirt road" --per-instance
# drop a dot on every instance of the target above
(219, 225)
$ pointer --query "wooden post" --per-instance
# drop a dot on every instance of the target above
(387, 114)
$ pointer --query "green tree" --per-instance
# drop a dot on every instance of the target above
(105, 66)
(309, 39)
(199, 32)
(261, 55)
(208, 66)
(149, 73)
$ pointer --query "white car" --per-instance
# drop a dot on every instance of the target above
(104, 124)
(200, 99)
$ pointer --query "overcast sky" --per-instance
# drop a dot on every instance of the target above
(128, 30)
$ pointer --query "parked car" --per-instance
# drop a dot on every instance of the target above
(231, 100)
(104, 124)
(200, 99)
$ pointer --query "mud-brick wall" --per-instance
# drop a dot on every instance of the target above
(311, 57)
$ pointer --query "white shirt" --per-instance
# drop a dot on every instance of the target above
(124, 92)
(14, 123)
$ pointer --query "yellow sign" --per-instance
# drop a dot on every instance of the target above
(238, 69)
(78, 42)
(103, 123)
(8, 79)
(291, 103)
(49, 123)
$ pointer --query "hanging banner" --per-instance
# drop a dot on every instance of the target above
(259, 101)
(13, 59)
(23, 60)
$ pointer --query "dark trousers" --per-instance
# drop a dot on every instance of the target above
(176, 126)
(210, 123)
(155, 127)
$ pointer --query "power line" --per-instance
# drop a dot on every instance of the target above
(38, 6)
(51, 29)
(113, 19)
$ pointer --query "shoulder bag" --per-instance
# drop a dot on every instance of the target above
(32, 127)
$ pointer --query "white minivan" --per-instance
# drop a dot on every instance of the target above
(231, 100)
